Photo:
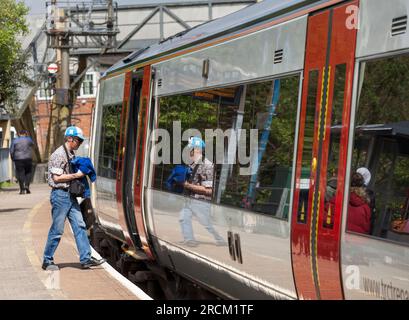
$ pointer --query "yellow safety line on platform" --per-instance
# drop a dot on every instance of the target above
(32, 256)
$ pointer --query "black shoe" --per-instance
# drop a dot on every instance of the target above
(22, 191)
(92, 263)
(28, 190)
(49, 266)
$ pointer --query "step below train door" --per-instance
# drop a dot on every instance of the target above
(322, 150)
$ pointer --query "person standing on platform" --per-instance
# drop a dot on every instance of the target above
(64, 204)
(21, 152)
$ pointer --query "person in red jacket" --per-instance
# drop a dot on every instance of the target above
(359, 212)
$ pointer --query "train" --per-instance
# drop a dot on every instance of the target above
(304, 106)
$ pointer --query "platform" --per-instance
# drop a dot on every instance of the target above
(24, 225)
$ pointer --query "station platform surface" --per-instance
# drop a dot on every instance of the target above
(24, 224)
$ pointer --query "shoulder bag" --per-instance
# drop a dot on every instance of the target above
(76, 187)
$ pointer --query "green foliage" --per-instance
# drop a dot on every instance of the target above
(110, 135)
(13, 62)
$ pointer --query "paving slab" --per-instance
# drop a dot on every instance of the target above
(24, 225)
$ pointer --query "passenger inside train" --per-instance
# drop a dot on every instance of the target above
(381, 145)
(359, 219)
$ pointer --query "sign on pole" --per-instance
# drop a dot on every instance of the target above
(52, 68)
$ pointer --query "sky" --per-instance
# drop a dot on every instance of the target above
(38, 6)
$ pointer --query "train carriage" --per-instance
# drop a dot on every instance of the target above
(323, 88)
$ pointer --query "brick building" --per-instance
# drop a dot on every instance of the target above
(81, 113)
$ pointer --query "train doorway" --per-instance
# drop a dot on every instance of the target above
(322, 149)
(129, 159)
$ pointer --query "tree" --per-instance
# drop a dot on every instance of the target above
(13, 61)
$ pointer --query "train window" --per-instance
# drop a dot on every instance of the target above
(271, 108)
(307, 145)
(109, 141)
(310, 118)
(379, 192)
(178, 114)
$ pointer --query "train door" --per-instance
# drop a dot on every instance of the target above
(322, 149)
(128, 145)
(139, 167)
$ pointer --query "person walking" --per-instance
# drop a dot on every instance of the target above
(21, 152)
(64, 204)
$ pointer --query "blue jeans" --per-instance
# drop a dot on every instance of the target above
(201, 210)
(65, 206)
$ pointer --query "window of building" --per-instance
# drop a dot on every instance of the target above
(88, 86)
(45, 92)
(379, 194)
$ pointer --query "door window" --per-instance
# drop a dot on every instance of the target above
(379, 192)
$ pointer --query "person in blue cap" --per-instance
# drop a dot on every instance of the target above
(199, 186)
(64, 205)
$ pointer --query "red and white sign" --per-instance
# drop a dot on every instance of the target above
(52, 68)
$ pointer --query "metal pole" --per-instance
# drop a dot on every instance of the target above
(60, 114)
(161, 23)
(65, 112)
(110, 22)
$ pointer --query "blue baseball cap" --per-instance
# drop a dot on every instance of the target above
(74, 131)
(196, 143)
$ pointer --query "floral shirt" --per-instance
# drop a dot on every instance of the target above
(203, 177)
(58, 165)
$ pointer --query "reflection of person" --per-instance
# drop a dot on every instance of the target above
(64, 205)
(366, 174)
(21, 152)
(329, 205)
(359, 213)
(331, 189)
(199, 186)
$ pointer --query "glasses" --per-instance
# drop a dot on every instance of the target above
(79, 141)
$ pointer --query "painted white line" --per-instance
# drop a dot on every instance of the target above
(139, 293)
(121, 279)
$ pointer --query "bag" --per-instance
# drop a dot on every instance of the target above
(177, 178)
(76, 187)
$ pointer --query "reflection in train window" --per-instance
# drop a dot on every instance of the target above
(379, 199)
(334, 145)
(109, 141)
(271, 108)
(177, 114)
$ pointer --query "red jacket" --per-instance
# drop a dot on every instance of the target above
(359, 214)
